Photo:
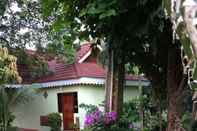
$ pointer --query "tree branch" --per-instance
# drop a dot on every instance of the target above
(191, 29)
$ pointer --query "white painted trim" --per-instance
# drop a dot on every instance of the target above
(82, 80)
(85, 56)
(18, 85)
(99, 47)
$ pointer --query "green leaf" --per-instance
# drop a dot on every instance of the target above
(136, 70)
(3, 4)
(94, 10)
(108, 13)
(187, 46)
(195, 71)
(83, 12)
(59, 24)
(48, 7)
(167, 6)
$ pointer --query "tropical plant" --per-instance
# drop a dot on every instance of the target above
(9, 96)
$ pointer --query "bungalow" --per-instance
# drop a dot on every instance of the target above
(67, 88)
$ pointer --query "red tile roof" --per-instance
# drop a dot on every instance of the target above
(61, 71)
(77, 70)
(24, 72)
(73, 71)
(85, 48)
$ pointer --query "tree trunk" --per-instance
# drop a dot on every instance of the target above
(109, 81)
(118, 80)
(176, 82)
(114, 81)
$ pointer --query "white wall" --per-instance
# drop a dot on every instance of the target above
(28, 115)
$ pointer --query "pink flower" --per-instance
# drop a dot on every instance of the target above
(110, 117)
(97, 115)
(89, 120)
(93, 118)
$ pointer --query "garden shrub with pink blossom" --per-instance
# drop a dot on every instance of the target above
(100, 121)
(129, 120)
(97, 120)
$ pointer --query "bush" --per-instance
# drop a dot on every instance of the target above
(100, 121)
(54, 121)
(97, 120)
(129, 120)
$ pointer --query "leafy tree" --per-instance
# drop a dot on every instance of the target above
(9, 97)
(135, 34)
(22, 25)
(8, 74)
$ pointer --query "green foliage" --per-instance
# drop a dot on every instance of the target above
(54, 121)
(137, 34)
(167, 5)
(187, 120)
(89, 108)
(27, 28)
(8, 99)
(130, 111)
(23, 27)
(104, 9)
(10, 118)
(8, 68)
(130, 116)
(124, 26)
(48, 6)
(3, 4)
(8, 75)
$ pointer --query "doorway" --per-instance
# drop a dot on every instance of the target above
(68, 105)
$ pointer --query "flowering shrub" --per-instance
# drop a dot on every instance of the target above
(93, 118)
(129, 120)
(98, 116)
(110, 117)
(100, 121)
